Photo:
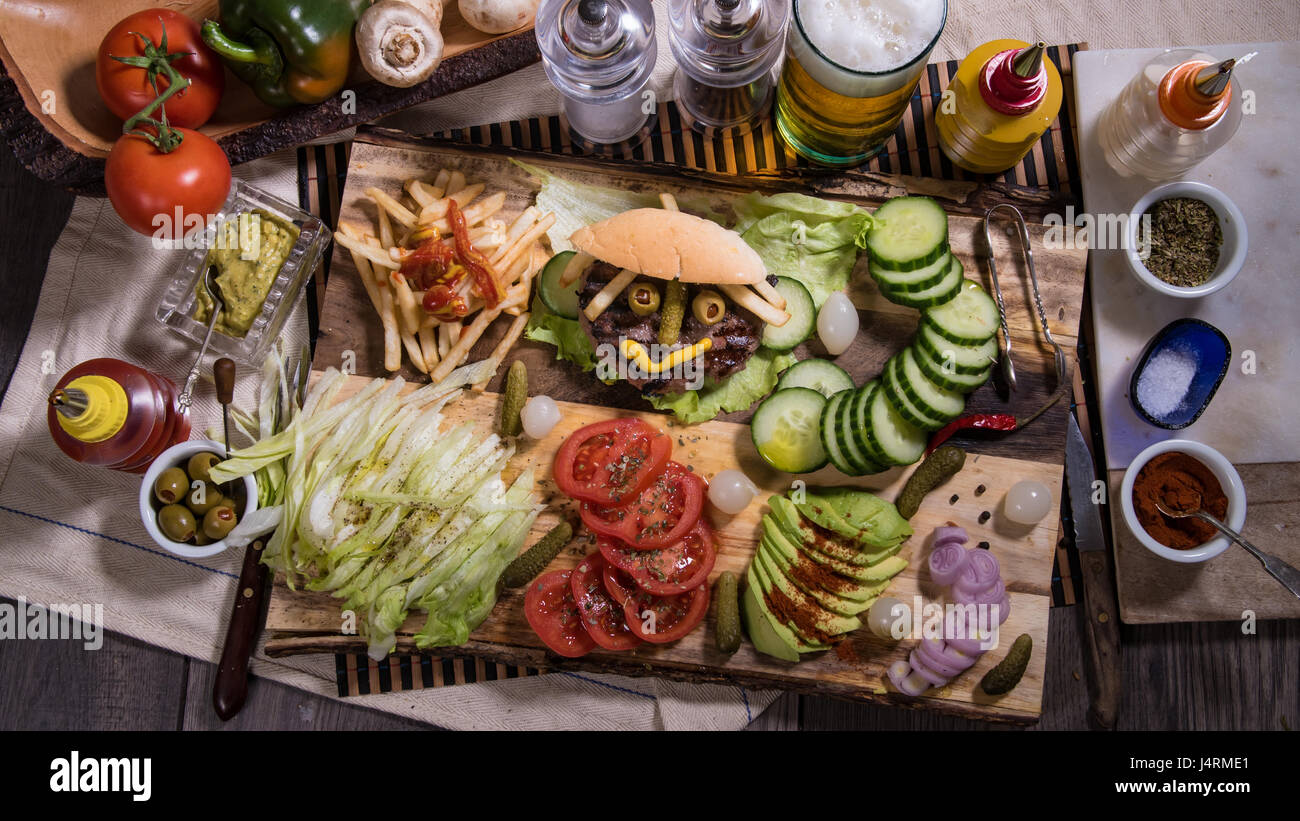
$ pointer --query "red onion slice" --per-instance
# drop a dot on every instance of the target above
(969, 642)
(898, 673)
(952, 656)
(1004, 608)
(981, 571)
(946, 534)
(920, 668)
(947, 561)
(991, 595)
(931, 654)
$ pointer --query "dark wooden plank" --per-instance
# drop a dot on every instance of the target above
(275, 706)
(782, 714)
(60, 685)
(31, 217)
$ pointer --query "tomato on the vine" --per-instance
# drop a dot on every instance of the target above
(148, 186)
(663, 513)
(126, 88)
(610, 462)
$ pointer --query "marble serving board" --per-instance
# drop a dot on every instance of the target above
(1252, 419)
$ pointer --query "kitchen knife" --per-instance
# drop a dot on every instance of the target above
(1101, 613)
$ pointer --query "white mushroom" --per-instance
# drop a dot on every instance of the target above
(399, 44)
(498, 16)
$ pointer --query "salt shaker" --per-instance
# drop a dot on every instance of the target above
(600, 54)
(726, 52)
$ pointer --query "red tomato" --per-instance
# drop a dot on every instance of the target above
(661, 619)
(608, 462)
(601, 615)
(662, 514)
(682, 566)
(126, 89)
(553, 615)
(147, 186)
(619, 585)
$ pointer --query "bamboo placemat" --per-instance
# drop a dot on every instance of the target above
(913, 151)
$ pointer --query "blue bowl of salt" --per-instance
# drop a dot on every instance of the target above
(1178, 373)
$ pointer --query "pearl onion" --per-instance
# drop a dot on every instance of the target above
(882, 616)
(837, 323)
(731, 491)
(539, 415)
(1027, 502)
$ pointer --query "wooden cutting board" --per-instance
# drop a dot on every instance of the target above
(310, 623)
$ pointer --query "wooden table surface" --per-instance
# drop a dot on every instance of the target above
(1185, 676)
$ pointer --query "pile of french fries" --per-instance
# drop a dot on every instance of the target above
(419, 212)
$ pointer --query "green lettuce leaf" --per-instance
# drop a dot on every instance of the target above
(570, 341)
(735, 393)
(813, 241)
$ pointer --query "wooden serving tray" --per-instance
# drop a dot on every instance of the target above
(54, 121)
(300, 622)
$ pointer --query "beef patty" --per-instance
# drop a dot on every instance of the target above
(735, 337)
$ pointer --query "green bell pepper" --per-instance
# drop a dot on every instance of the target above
(289, 51)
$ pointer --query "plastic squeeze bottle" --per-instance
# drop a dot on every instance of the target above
(1004, 96)
(1180, 108)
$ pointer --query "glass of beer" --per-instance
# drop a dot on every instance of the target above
(851, 67)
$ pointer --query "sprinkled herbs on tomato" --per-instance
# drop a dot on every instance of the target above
(610, 462)
(661, 619)
(682, 566)
(602, 617)
(662, 514)
(553, 614)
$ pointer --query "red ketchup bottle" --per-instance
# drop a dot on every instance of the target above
(117, 415)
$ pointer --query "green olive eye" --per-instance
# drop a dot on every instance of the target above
(708, 307)
(643, 298)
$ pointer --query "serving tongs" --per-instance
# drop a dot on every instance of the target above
(1008, 369)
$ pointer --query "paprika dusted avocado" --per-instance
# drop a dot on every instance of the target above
(289, 51)
(245, 282)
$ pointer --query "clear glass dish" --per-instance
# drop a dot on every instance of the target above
(177, 308)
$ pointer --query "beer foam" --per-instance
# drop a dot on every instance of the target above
(871, 35)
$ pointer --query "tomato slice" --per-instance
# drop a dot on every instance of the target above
(553, 614)
(661, 619)
(683, 565)
(619, 585)
(610, 462)
(662, 514)
(601, 614)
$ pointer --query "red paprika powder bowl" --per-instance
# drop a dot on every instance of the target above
(1229, 482)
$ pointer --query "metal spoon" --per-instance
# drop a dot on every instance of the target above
(1278, 569)
(210, 287)
(1059, 354)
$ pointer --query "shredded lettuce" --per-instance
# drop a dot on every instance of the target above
(735, 393)
(812, 240)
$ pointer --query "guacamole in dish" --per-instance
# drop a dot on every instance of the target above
(248, 252)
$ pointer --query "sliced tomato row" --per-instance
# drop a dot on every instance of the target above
(648, 580)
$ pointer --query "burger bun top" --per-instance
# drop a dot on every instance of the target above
(666, 244)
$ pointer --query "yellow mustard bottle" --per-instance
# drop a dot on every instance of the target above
(1004, 96)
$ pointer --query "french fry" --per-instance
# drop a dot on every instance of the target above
(385, 230)
(576, 266)
(609, 293)
(454, 183)
(440, 181)
(769, 293)
(466, 341)
(428, 341)
(752, 302)
(422, 193)
(444, 340)
(669, 202)
(475, 213)
(392, 338)
(522, 223)
(408, 310)
(373, 253)
(488, 236)
(437, 209)
(503, 347)
(453, 331)
(395, 209)
(412, 346)
(504, 257)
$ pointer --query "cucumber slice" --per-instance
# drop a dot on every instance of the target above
(953, 356)
(848, 440)
(912, 233)
(862, 423)
(945, 290)
(803, 317)
(949, 377)
(561, 300)
(937, 401)
(786, 430)
(901, 442)
(828, 428)
(892, 382)
(821, 375)
(969, 318)
(909, 281)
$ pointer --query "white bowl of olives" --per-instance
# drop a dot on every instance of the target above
(184, 512)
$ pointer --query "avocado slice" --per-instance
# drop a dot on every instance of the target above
(796, 571)
(879, 521)
(886, 566)
(847, 560)
(792, 553)
(767, 634)
(822, 620)
(762, 586)
(819, 512)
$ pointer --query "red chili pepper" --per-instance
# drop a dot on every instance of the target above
(986, 421)
(485, 280)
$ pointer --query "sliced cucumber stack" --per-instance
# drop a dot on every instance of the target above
(938, 294)
(911, 281)
(955, 357)
(803, 317)
(911, 233)
(786, 430)
(969, 318)
(899, 441)
(821, 375)
(560, 299)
